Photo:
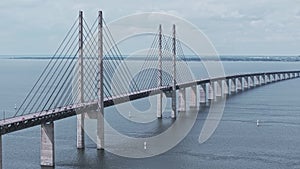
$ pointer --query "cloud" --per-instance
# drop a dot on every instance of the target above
(43, 23)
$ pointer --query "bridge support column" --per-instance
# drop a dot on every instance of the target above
(271, 78)
(210, 94)
(100, 131)
(266, 80)
(80, 130)
(193, 95)
(159, 105)
(238, 84)
(47, 144)
(242, 80)
(228, 83)
(225, 88)
(249, 82)
(255, 81)
(260, 80)
(0, 151)
(218, 90)
(202, 95)
(236, 81)
(182, 99)
(232, 86)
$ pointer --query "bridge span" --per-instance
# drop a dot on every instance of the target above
(210, 90)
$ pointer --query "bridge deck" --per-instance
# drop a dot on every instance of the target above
(33, 119)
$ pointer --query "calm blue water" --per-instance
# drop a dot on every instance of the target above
(237, 142)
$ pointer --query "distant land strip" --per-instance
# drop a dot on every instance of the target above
(184, 58)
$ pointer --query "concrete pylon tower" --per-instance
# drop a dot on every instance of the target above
(100, 114)
(160, 96)
(80, 116)
(174, 110)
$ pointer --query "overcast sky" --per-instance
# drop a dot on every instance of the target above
(248, 27)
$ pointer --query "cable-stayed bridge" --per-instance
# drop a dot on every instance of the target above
(88, 73)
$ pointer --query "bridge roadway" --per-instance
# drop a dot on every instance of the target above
(38, 118)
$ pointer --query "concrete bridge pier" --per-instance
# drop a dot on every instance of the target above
(239, 84)
(210, 94)
(203, 95)
(0, 151)
(80, 130)
(225, 91)
(182, 100)
(254, 81)
(193, 96)
(100, 130)
(218, 89)
(266, 79)
(243, 83)
(275, 78)
(47, 144)
(233, 86)
(271, 78)
(259, 80)
(159, 105)
(250, 82)
(227, 86)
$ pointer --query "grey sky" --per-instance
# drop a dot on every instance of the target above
(256, 27)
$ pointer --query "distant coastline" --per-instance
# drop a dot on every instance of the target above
(185, 58)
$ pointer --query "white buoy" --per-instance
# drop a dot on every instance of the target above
(145, 145)
(257, 123)
(15, 106)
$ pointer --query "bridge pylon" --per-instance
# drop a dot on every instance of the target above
(80, 116)
(160, 96)
(174, 108)
(100, 114)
